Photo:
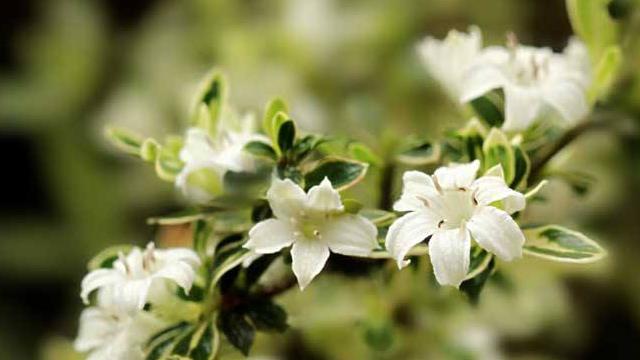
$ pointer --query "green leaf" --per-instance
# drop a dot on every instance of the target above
(605, 72)
(343, 173)
(106, 257)
(167, 165)
(304, 146)
(149, 150)
(554, 242)
(180, 217)
(209, 102)
(237, 330)
(261, 149)
(125, 140)
(276, 122)
(420, 154)
(207, 344)
(202, 231)
(286, 135)
(489, 108)
(227, 260)
(522, 168)
(498, 151)
(274, 107)
(590, 20)
(473, 287)
(352, 206)
(479, 260)
(378, 217)
(267, 316)
(162, 343)
(362, 152)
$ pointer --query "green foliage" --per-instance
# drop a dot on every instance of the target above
(554, 242)
(420, 154)
(498, 151)
(185, 341)
(473, 287)
(490, 108)
(591, 21)
(343, 173)
(605, 72)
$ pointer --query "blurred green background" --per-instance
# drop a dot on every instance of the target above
(69, 67)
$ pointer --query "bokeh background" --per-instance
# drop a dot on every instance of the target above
(69, 67)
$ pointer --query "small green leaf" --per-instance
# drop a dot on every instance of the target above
(237, 330)
(276, 122)
(605, 72)
(125, 140)
(362, 152)
(557, 243)
(261, 149)
(167, 166)
(420, 154)
(162, 343)
(274, 107)
(489, 108)
(208, 342)
(267, 316)
(343, 173)
(106, 257)
(522, 168)
(498, 151)
(180, 217)
(286, 135)
(479, 260)
(202, 231)
(227, 260)
(209, 102)
(352, 206)
(378, 217)
(591, 21)
(149, 150)
(473, 287)
(304, 146)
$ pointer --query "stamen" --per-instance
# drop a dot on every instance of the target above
(436, 184)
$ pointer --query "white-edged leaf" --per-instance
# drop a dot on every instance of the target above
(554, 242)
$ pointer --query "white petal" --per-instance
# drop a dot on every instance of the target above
(568, 98)
(179, 254)
(132, 294)
(495, 231)
(96, 279)
(198, 147)
(481, 78)
(456, 176)
(489, 189)
(350, 235)
(96, 326)
(417, 189)
(408, 231)
(521, 107)
(270, 236)
(286, 198)
(308, 257)
(449, 251)
(324, 197)
(446, 60)
(179, 272)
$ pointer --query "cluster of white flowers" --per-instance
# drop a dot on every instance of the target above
(533, 79)
(116, 327)
(213, 156)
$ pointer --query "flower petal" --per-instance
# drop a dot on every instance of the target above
(481, 78)
(350, 235)
(568, 98)
(285, 198)
(308, 257)
(96, 326)
(456, 176)
(324, 197)
(96, 279)
(408, 231)
(270, 236)
(521, 107)
(488, 189)
(449, 251)
(179, 272)
(496, 232)
(417, 189)
(446, 60)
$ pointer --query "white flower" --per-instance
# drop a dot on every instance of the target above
(131, 278)
(315, 224)
(219, 154)
(108, 333)
(533, 80)
(447, 60)
(451, 207)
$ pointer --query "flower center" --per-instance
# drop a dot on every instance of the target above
(456, 207)
(309, 225)
(529, 69)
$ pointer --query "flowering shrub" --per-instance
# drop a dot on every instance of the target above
(267, 204)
